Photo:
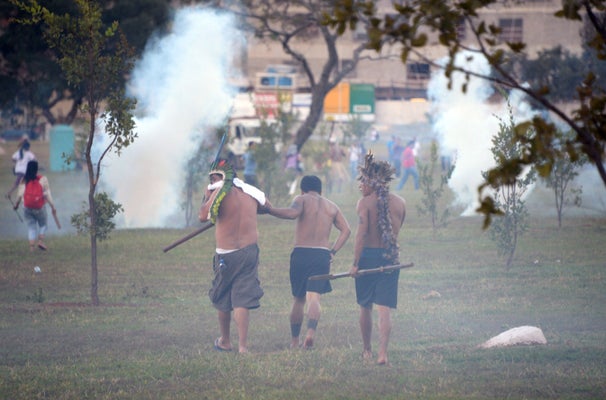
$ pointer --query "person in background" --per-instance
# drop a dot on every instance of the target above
(338, 171)
(395, 156)
(34, 211)
(232, 205)
(293, 165)
(312, 253)
(20, 159)
(355, 155)
(380, 217)
(250, 165)
(409, 166)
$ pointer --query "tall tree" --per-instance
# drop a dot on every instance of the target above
(292, 24)
(416, 18)
(95, 60)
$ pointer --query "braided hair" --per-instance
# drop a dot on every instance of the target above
(377, 175)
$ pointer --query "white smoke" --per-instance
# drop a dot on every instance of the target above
(182, 84)
(465, 123)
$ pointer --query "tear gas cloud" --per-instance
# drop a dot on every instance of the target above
(465, 123)
(181, 84)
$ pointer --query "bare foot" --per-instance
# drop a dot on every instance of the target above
(294, 343)
(367, 355)
(308, 343)
(382, 358)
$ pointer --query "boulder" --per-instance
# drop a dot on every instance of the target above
(522, 335)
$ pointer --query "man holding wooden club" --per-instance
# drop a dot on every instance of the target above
(232, 206)
(380, 217)
(312, 253)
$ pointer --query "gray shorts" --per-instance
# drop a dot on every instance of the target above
(381, 288)
(236, 282)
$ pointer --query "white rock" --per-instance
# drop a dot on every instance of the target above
(522, 335)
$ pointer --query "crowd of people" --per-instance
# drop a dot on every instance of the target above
(233, 205)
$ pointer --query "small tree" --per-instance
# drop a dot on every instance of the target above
(95, 60)
(563, 172)
(513, 221)
(432, 190)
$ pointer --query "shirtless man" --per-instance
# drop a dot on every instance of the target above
(236, 284)
(312, 254)
(380, 217)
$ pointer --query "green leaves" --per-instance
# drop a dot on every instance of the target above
(105, 209)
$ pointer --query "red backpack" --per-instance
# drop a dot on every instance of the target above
(33, 197)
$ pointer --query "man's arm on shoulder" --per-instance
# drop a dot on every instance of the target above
(292, 212)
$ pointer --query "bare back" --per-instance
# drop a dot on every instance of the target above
(368, 234)
(317, 217)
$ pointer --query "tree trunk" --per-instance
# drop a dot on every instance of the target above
(315, 112)
(92, 184)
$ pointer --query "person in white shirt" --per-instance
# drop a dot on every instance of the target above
(20, 159)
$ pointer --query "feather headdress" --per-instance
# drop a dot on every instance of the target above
(221, 167)
(377, 175)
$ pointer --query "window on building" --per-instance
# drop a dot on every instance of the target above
(589, 32)
(512, 29)
(418, 71)
(359, 33)
(310, 32)
(461, 30)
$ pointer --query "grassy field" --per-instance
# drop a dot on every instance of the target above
(152, 336)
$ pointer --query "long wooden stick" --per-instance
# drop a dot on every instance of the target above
(361, 272)
(207, 225)
(184, 239)
(14, 209)
(56, 219)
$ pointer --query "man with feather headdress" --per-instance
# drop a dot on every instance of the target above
(380, 217)
(232, 206)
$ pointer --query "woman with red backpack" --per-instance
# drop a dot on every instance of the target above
(35, 192)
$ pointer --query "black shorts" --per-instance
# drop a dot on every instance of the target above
(306, 262)
(380, 288)
(236, 283)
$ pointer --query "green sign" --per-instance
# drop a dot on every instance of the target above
(361, 98)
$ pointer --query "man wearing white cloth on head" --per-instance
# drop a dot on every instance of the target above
(232, 206)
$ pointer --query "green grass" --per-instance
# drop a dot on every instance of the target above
(152, 336)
